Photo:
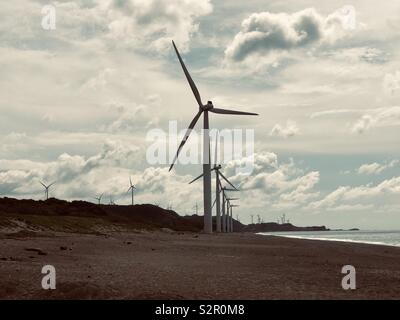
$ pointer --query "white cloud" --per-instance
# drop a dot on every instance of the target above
(274, 184)
(132, 119)
(381, 117)
(333, 112)
(357, 54)
(155, 22)
(107, 172)
(376, 168)
(383, 194)
(137, 24)
(391, 82)
(266, 32)
(287, 131)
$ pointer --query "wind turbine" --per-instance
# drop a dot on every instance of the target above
(112, 203)
(132, 189)
(225, 207)
(196, 207)
(46, 189)
(218, 186)
(99, 198)
(233, 206)
(229, 215)
(203, 108)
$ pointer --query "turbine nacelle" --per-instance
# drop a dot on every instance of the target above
(208, 106)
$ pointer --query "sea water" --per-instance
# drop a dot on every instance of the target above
(388, 238)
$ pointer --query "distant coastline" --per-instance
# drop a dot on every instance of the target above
(275, 227)
(88, 217)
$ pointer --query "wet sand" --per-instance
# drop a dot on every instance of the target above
(162, 265)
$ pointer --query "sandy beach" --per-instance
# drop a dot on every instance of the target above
(185, 265)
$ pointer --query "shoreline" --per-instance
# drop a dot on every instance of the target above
(333, 240)
(185, 265)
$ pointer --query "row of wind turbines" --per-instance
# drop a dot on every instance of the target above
(224, 220)
(131, 189)
(224, 208)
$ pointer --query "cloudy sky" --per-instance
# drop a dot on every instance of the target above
(78, 102)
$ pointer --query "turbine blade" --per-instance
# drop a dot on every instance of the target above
(51, 184)
(215, 201)
(186, 137)
(42, 184)
(227, 181)
(189, 78)
(195, 179)
(130, 181)
(224, 111)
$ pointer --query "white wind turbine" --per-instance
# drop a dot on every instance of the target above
(218, 186)
(225, 207)
(99, 198)
(46, 189)
(229, 213)
(203, 108)
(132, 189)
(232, 206)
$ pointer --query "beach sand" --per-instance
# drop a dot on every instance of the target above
(168, 265)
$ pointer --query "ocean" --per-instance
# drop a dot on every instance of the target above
(386, 238)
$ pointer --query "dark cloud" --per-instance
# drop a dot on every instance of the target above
(265, 32)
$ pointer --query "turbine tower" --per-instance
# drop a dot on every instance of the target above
(225, 208)
(218, 186)
(196, 208)
(46, 189)
(99, 198)
(233, 206)
(203, 108)
(132, 189)
(230, 215)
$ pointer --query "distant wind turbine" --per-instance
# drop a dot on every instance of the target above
(132, 189)
(46, 189)
(203, 108)
(99, 198)
(196, 208)
(112, 203)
